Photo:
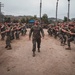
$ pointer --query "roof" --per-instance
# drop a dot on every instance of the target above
(31, 21)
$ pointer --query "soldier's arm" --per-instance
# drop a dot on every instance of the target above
(64, 30)
(30, 33)
(42, 31)
(72, 33)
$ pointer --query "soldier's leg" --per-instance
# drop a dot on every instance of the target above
(22, 32)
(13, 36)
(55, 36)
(74, 40)
(51, 32)
(16, 35)
(2, 36)
(68, 42)
(10, 46)
(64, 40)
(61, 39)
(38, 44)
(34, 47)
(8, 42)
(48, 31)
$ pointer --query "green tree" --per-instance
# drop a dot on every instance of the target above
(15, 21)
(45, 18)
(27, 20)
(7, 19)
(66, 19)
(35, 17)
(23, 20)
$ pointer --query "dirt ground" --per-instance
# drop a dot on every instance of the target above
(52, 60)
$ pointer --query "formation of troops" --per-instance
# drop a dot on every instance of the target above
(64, 31)
(11, 31)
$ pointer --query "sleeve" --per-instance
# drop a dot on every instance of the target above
(42, 31)
(30, 33)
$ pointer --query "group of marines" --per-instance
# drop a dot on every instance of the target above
(11, 31)
(64, 31)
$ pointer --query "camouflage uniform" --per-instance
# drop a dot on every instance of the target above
(23, 30)
(8, 38)
(17, 32)
(62, 36)
(36, 38)
(50, 31)
(2, 32)
(71, 38)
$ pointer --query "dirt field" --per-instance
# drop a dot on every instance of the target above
(52, 60)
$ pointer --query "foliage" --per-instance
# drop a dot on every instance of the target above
(45, 18)
(66, 19)
(15, 21)
(7, 19)
(23, 20)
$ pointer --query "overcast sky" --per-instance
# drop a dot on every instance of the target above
(31, 7)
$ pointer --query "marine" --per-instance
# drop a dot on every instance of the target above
(36, 38)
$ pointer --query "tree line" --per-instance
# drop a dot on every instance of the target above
(44, 19)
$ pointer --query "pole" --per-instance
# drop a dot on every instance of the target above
(0, 7)
(0, 11)
(40, 9)
(68, 10)
(1, 18)
(56, 11)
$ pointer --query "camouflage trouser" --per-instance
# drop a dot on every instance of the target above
(22, 32)
(62, 38)
(2, 36)
(8, 41)
(50, 32)
(56, 34)
(12, 36)
(34, 41)
(25, 32)
(74, 40)
(69, 40)
(17, 35)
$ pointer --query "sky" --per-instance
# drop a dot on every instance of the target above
(32, 7)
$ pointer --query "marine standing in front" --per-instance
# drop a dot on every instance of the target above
(36, 38)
